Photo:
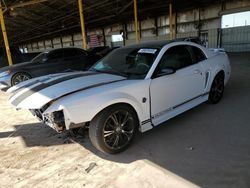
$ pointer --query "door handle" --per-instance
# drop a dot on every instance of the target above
(197, 71)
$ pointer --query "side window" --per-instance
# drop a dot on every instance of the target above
(198, 54)
(73, 52)
(176, 58)
(55, 55)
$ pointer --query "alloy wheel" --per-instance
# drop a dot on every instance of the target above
(118, 129)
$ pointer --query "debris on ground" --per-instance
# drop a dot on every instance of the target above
(91, 166)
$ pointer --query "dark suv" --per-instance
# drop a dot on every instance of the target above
(49, 62)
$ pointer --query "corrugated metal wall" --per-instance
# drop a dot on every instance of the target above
(236, 39)
(205, 22)
(213, 38)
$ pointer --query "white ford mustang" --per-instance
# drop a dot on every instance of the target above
(133, 88)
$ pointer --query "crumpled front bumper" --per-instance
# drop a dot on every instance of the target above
(54, 120)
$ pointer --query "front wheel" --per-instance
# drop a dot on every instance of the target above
(19, 77)
(217, 89)
(113, 129)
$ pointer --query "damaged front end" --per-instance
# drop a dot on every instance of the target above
(55, 119)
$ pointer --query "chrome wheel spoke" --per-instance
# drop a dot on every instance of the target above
(115, 144)
(128, 134)
(108, 133)
(125, 120)
(20, 78)
(114, 119)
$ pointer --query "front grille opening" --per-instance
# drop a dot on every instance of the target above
(58, 120)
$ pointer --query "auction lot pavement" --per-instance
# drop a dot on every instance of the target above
(208, 146)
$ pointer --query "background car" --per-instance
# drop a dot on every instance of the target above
(53, 61)
(101, 50)
(196, 40)
(17, 56)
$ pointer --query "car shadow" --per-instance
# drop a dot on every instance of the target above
(37, 134)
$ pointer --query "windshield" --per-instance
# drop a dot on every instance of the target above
(129, 62)
(39, 58)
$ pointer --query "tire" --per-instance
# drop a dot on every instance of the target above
(113, 129)
(217, 89)
(19, 77)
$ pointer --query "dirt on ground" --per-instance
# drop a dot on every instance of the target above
(34, 155)
(208, 146)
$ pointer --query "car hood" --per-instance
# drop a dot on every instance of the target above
(37, 92)
(16, 66)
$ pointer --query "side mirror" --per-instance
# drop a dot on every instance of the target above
(165, 71)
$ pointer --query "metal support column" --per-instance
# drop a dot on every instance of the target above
(5, 38)
(72, 40)
(156, 27)
(170, 20)
(136, 22)
(104, 37)
(84, 41)
(176, 25)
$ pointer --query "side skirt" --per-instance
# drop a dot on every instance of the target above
(172, 112)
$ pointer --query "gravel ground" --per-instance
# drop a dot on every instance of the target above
(208, 146)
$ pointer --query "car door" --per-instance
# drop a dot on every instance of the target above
(173, 90)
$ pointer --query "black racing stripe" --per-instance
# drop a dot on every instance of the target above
(146, 121)
(89, 87)
(202, 95)
(54, 81)
(176, 106)
(44, 80)
(45, 85)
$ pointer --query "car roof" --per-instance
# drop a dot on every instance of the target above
(150, 44)
(63, 48)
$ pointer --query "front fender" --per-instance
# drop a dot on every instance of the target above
(85, 109)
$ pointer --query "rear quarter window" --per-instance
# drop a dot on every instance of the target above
(198, 55)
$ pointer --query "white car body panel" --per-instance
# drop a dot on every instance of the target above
(186, 84)
(79, 107)
(154, 100)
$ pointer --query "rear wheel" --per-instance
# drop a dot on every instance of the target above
(217, 89)
(19, 77)
(113, 129)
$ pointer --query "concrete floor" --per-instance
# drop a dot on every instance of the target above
(208, 146)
